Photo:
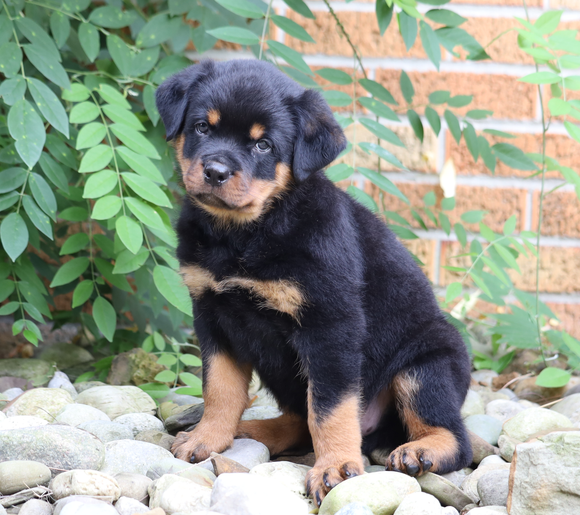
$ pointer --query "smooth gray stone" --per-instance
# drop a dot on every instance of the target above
(129, 506)
(355, 508)
(131, 456)
(107, 431)
(484, 426)
(12, 393)
(134, 486)
(19, 475)
(186, 420)
(493, 488)
(36, 507)
(65, 355)
(35, 370)
(61, 380)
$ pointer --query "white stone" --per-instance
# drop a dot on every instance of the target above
(469, 486)
(484, 376)
(128, 506)
(131, 456)
(534, 420)
(118, 400)
(248, 453)
(492, 510)
(22, 421)
(139, 422)
(85, 482)
(473, 404)
(134, 486)
(174, 494)
(289, 475)
(44, 403)
(419, 503)
(61, 380)
(76, 414)
(107, 431)
(503, 410)
(35, 507)
(84, 508)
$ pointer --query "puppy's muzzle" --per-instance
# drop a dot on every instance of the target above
(216, 174)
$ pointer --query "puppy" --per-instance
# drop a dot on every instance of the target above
(293, 278)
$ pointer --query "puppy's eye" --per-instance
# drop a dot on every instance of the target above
(263, 146)
(201, 127)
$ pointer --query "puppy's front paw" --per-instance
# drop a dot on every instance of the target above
(410, 459)
(325, 476)
(192, 447)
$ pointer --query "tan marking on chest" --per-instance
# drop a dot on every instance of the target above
(283, 295)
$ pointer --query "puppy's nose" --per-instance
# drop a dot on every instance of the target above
(215, 173)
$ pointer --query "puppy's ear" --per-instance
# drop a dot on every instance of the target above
(173, 96)
(319, 138)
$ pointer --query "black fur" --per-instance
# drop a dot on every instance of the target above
(370, 311)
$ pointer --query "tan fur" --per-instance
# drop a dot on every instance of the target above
(437, 444)
(225, 393)
(283, 295)
(257, 131)
(337, 440)
(288, 431)
(213, 116)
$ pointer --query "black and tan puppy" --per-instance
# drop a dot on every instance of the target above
(294, 279)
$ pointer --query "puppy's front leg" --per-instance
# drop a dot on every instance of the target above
(334, 424)
(225, 393)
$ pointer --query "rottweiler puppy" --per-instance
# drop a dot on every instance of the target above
(293, 278)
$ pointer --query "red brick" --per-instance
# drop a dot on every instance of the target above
(530, 3)
(569, 316)
(501, 94)
(561, 214)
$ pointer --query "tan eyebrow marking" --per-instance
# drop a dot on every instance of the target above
(257, 131)
(213, 116)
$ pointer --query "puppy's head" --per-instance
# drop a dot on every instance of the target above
(244, 133)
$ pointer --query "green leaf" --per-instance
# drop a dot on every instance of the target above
(439, 97)
(453, 291)
(134, 140)
(89, 38)
(461, 234)
(96, 159)
(6, 289)
(382, 182)
(84, 112)
(74, 214)
(291, 56)
(548, 22)
(337, 98)
(403, 232)
(559, 107)
(445, 17)
(478, 114)
(473, 217)
(407, 87)
(166, 376)
(149, 101)
(128, 262)
(430, 199)
(171, 286)
(70, 271)
(5, 29)
(433, 119)
(14, 235)
(378, 91)
(335, 76)
(486, 153)
(76, 93)
(141, 164)
(242, 8)
(12, 178)
(144, 61)
(460, 100)
(541, 78)
(124, 117)
(416, 124)
(448, 204)
(43, 61)
(157, 30)
(111, 17)
(38, 218)
(501, 134)
(100, 184)
(27, 129)
(106, 207)
(106, 269)
(339, 172)
(42, 193)
(49, 106)
(121, 54)
(430, 43)
(384, 14)
(130, 233)
(381, 131)
(189, 360)
(54, 172)
(37, 35)
(573, 130)
(12, 90)
(9, 308)
(407, 28)
(10, 58)
(508, 257)
(112, 96)
(471, 140)
(300, 7)
(145, 213)
(60, 27)
(74, 243)
(91, 135)
(378, 108)
(190, 380)
(235, 35)
(82, 293)
(552, 377)
(513, 157)
(383, 154)
(9, 200)
(453, 124)
(105, 317)
(146, 189)
(165, 254)
(510, 225)
(362, 197)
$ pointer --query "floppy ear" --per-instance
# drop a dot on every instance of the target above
(172, 97)
(319, 138)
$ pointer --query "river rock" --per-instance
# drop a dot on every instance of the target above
(492, 487)
(469, 486)
(503, 410)
(156, 437)
(58, 447)
(76, 414)
(443, 490)
(485, 427)
(65, 355)
(107, 431)
(507, 446)
(488, 396)
(534, 420)
(473, 404)
(253, 494)
(86, 385)
(480, 447)
(82, 505)
(20, 422)
(489, 510)
(248, 453)
(44, 403)
(37, 371)
(355, 508)
(184, 417)
(195, 473)
(139, 422)
(261, 413)
(134, 486)
(130, 456)
(85, 482)
(419, 503)
(457, 476)
(174, 494)
(129, 506)
(134, 367)
(382, 492)
(36, 507)
(527, 389)
(19, 475)
(491, 459)
(568, 406)
(118, 400)
(484, 376)
(545, 477)
(12, 393)
(180, 400)
(61, 380)
(289, 475)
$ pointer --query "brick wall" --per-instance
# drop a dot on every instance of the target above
(494, 86)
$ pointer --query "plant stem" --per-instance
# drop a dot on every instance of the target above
(264, 28)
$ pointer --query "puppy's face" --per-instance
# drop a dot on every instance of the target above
(237, 127)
